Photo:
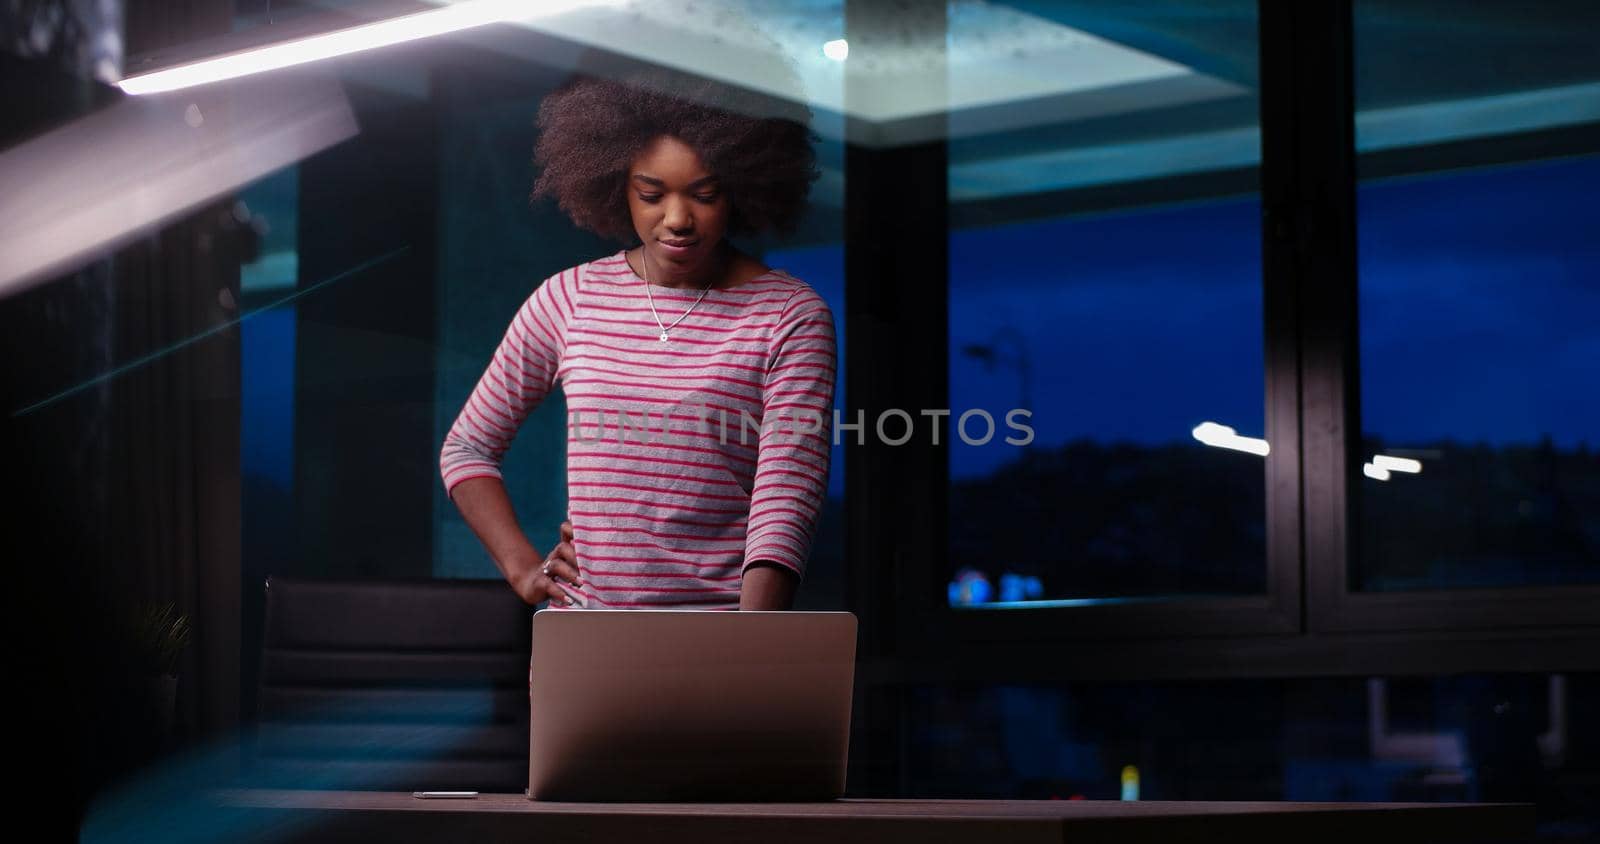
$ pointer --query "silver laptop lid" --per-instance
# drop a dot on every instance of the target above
(667, 705)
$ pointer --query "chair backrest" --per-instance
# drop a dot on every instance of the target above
(409, 685)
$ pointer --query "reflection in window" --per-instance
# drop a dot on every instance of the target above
(266, 370)
(1477, 338)
(1478, 257)
(1105, 281)
(1120, 353)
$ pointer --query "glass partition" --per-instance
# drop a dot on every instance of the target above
(1479, 260)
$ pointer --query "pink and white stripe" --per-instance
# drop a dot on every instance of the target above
(675, 523)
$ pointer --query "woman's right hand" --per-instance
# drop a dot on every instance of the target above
(556, 577)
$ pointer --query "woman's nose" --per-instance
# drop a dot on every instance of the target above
(678, 217)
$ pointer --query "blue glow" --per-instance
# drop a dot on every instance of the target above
(970, 587)
(1015, 587)
(177, 800)
(266, 401)
(1057, 603)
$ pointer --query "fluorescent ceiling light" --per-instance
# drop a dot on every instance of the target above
(93, 184)
(1375, 472)
(1221, 436)
(342, 42)
(1397, 464)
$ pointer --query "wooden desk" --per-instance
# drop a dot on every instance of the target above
(392, 816)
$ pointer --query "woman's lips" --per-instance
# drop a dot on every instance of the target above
(684, 249)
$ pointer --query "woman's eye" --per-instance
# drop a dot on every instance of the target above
(707, 197)
(649, 197)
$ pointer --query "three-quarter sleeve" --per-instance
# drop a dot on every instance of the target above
(797, 413)
(519, 375)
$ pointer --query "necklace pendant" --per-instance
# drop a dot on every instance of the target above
(663, 336)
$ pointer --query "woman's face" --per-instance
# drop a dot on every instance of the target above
(679, 211)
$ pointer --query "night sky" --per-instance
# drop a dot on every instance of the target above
(1480, 306)
(1480, 313)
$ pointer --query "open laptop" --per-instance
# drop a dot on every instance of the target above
(685, 705)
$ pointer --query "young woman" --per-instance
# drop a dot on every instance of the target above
(698, 381)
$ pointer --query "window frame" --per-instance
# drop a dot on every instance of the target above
(1307, 622)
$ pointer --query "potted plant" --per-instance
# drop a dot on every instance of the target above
(160, 635)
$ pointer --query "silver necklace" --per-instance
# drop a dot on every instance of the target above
(666, 328)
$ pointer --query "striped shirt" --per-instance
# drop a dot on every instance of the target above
(687, 460)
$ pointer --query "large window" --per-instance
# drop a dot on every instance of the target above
(1479, 290)
(1105, 281)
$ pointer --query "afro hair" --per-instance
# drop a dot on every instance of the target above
(591, 129)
